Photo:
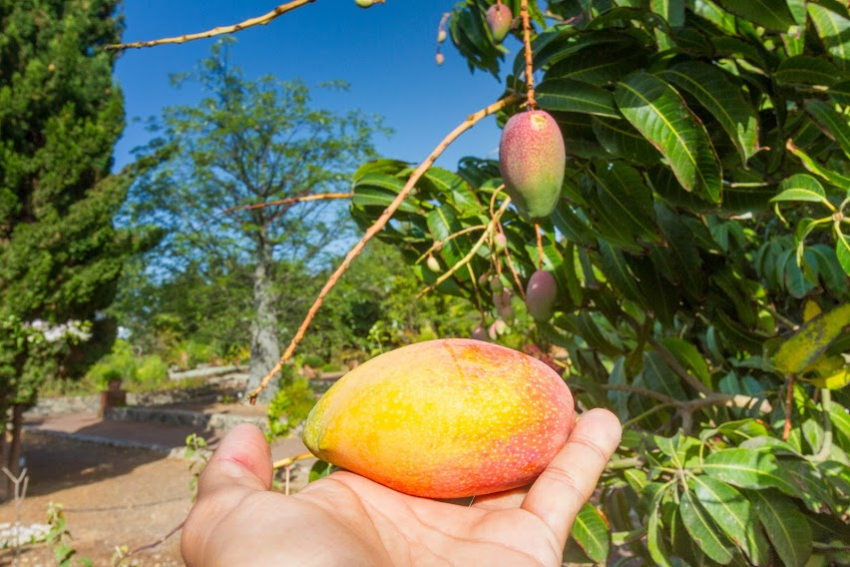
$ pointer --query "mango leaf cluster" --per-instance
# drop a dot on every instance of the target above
(701, 248)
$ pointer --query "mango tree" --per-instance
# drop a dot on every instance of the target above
(700, 249)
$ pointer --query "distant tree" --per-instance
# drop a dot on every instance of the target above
(60, 255)
(227, 167)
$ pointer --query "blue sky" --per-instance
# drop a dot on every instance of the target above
(386, 53)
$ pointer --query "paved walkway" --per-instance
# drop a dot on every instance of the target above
(168, 438)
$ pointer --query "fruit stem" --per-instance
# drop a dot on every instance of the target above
(529, 61)
(539, 234)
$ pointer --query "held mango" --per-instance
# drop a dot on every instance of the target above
(444, 419)
(532, 158)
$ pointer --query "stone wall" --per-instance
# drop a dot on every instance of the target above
(70, 404)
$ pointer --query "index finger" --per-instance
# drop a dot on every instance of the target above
(557, 496)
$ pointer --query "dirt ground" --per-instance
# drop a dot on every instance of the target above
(112, 496)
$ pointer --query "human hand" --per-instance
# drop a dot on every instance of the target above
(346, 519)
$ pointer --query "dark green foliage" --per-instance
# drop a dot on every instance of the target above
(60, 115)
(703, 220)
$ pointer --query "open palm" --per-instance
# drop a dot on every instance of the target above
(346, 519)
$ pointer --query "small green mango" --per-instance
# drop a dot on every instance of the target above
(540, 295)
(532, 159)
(499, 19)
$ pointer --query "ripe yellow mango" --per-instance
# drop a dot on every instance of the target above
(444, 419)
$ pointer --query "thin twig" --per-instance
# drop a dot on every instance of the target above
(378, 225)
(471, 254)
(673, 363)
(258, 21)
(287, 201)
(439, 244)
(789, 399)
(155, 543)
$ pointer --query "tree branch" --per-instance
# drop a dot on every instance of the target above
(378, 225)
(258, 21)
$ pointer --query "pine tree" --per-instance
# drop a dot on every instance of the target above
(60, 254)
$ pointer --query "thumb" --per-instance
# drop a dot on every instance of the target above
(240, 467)
(242, 459)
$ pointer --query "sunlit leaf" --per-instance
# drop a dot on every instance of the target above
(718, 94)
(591, 533)
(621, 139)
(749, 469)
(734, 514)
(801, 187)
(660, 114)
(713, 542)
(842, 251)
(786, 527)
(800, 351)
(834, 29)
(834, 124)
(771, 14)
(569, 95)
(806, 70)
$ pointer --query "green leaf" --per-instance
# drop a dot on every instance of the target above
(735, 516)
(803, 348)
(801, 187)
(749, 469)
(770, 14)
(320, 469)
(723, 98)
(660, 377)
(590, 532)
(841, 422)
(786, 527)
(448, 184)
(654, 534)
(662, 297)
(443, 223)
(673, 11)
(378, 190)
(616, 270)
(833, 177)
(554, 46)
(682, 255)
(621, 139)
(569, 95)
(689, 357)
(834, 30)
(829, 269)
(833, 124)
(627, 200)
(600, 65)
(842, 251)
(712, 541)
(806, 70)
(660, 114)
(840, 92)
(743, 430)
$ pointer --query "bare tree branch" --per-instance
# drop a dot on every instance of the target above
(258, 21)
